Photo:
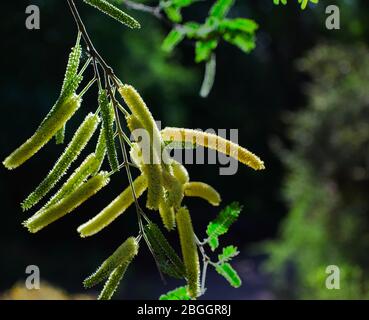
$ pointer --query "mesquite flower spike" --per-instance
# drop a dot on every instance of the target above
(70, 154)
(214, 142)
(52, 213)
(189, 251)
(54, 121)
(202, 190)
(123, 255)
(118, 206)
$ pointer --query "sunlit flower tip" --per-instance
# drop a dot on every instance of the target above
(214, 142)
(204, 191)
(189, 251)
(167, 215)
(180, 172)
(117, 207)
(53, 122)
(123, 255)
(50, 214)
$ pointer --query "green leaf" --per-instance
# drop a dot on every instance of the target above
(173, 14)
(114, 13)
(176, 294)
(172, 8)
(221, 8)
(204, 49)
(221, 224)
(228, 253)
(172, 40)
(209, 77)
(167, 259)
(244, 41)
(303, 3)
(238, 24)
(227, 271)
(107, 115)
(191, 28)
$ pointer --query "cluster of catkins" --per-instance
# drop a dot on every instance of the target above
(167, 182)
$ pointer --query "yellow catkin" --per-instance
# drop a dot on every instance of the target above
(180, 172)
(123, 255)
(167, 214)
(189, 251)
(174, 188)
(145, 119)
(202, 190)
(136, 154)
(214, 142)
(155, 191)
(48, 128)
(151, 169)
(50, 214)
(118, 206)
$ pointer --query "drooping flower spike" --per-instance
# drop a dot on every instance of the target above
(122, 256)
(117, 207)
(54, 212)
(214, 142)
(77, 144)
(54, 121)
(189, 251)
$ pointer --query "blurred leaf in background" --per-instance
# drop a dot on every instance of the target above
(327, 179)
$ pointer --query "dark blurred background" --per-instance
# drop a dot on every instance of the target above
(300, 102)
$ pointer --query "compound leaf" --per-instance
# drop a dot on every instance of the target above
(176, 294)
(221, 224)
(227, 271)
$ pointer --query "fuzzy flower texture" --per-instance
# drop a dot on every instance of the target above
(165, 182)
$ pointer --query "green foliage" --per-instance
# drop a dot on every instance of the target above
(327, 222)
(114, 12)
(238, 31)
(221, 224)
(204, 49)
(303, 3)
(172, 8)
(173, 39)
(167, 259)
(220, 8)
(228, 254)
(107, 115)
(227, 271)
(176, 294)
(70, 154)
